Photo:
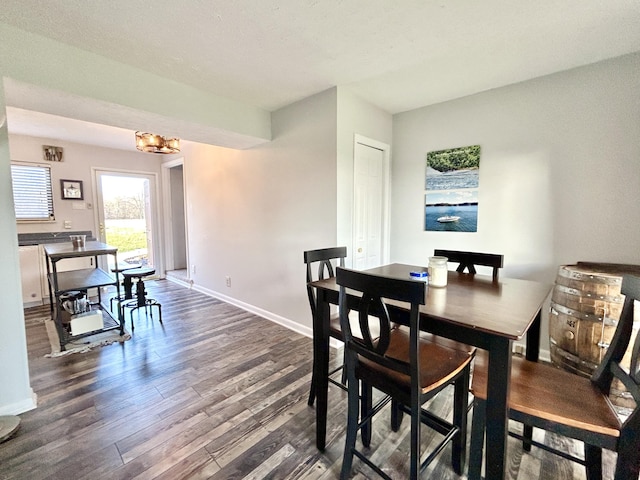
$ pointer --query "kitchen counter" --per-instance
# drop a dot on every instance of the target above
(39, 238)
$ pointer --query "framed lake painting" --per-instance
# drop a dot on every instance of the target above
(451, 183)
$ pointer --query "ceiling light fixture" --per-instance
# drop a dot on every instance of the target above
(150, 143)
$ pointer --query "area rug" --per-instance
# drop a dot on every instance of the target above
(84, 344)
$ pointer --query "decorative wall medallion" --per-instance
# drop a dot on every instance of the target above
(52, 153)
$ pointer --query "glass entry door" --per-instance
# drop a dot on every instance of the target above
(126, 213)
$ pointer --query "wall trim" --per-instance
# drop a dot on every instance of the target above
(22, 406)
(280, 320)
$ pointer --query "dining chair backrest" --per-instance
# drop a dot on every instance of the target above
(375, 291)
(469, 260)
(610, 368)
(325, 259)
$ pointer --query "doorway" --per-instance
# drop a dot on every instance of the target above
(175, 221)
(371, 203)
(126, 211)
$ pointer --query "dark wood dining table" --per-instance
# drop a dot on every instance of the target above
(473, 309)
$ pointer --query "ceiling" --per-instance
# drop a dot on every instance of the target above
(398, 55)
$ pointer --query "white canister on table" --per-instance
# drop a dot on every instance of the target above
(438, 271)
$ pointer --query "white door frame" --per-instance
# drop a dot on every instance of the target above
(386, 196)
(168, 221)
(156, 226)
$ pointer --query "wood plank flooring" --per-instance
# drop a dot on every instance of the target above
(212, 393)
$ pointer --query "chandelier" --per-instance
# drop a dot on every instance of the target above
(148, 142)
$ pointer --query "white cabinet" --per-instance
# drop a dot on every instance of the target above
(32, 274)
(35, 290)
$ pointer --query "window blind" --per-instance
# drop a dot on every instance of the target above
(32, 192)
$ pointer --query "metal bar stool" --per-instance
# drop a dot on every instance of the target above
(140, 300)
(126, 284)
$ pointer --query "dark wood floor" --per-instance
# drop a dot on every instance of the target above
(215, 392)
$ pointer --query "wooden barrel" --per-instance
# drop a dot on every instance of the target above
(585, 309)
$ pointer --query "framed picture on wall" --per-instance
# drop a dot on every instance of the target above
(71, 189)
(451, 197)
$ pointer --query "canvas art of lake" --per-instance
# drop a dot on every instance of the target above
(451, 181)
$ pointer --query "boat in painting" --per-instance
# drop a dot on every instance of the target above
(448, 219)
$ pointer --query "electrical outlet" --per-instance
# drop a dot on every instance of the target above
(228, 281)
(193, 269)
(67, 224)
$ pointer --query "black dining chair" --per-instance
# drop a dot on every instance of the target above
(398, 362)
(559, 401)
(469, 260)
(324, 261)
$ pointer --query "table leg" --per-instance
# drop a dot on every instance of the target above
(533, 339)
(532, 354)
(499, 373)
(321, 365)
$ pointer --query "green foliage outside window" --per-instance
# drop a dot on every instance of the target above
(127, 239)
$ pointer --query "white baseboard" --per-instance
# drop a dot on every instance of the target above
(285, 322)
(187, 284)
(22, 406)
(544, 355)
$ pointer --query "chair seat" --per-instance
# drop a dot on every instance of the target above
(139, 272)
(336, 332)
(123, 268)
(539, 390)
(445, 358)
(334, 326)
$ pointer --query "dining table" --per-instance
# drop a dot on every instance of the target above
(478, 310)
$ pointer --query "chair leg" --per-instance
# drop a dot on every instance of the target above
(460, 403)
(593, 460)
(477, 440)
(312, 391)
(397, 414)
(365, 409)
(352, 425)
(628, 463)
(131, 317)
(151, 304)
(527, 434)
(414, 467)
(343, 379)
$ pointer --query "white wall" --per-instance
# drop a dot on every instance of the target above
(559, 170)
(252, 213)
(16, 395)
